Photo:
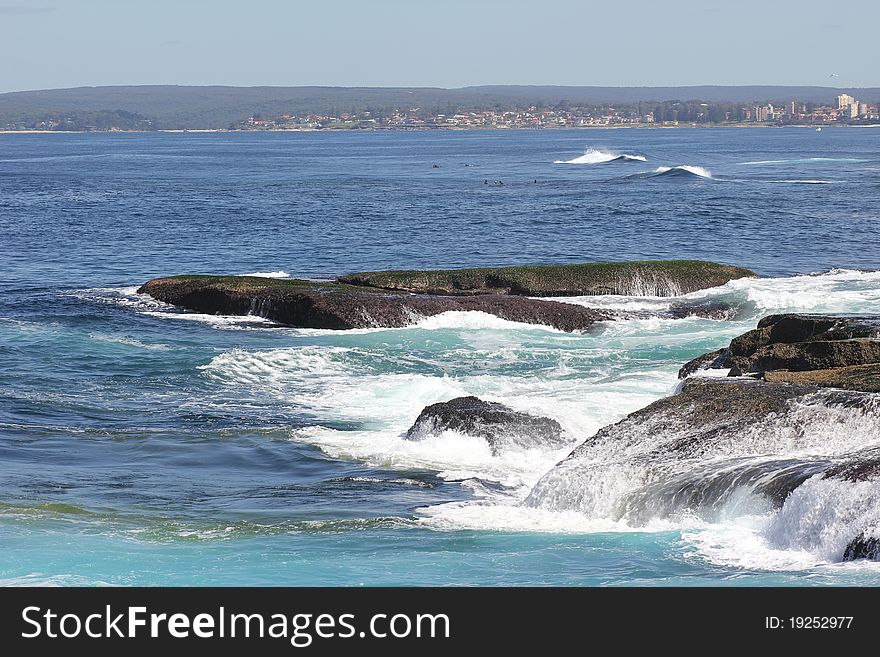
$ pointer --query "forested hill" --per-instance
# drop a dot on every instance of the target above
(190, 107)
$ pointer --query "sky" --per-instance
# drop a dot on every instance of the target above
(444, 43)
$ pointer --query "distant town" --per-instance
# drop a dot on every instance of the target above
(846, 110)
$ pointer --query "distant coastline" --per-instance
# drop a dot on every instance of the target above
(647, 126)
(220, 109)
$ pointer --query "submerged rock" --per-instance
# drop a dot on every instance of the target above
(640, 278)
(310, 304)
(498, 424)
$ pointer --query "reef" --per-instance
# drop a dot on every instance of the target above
(399, 298)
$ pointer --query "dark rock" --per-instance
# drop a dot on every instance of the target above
(806, 342)
(309, 304)
(498, 424)
(642, 278)
(714, 360)
(803, 356)
(827, 350)
(862, 547)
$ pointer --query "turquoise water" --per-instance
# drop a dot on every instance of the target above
(143, 445)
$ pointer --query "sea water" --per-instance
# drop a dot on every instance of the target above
(140, 444)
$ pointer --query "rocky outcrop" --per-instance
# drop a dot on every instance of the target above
(840, 351)
(641, 278)
(807, 419)
(713, 441)
(800, 342)
(310, 304)
(399, 298)
(798, 436)
(705, 411)
(499, 425)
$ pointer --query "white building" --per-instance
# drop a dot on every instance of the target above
(844, 101)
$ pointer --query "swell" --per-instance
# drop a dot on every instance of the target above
(680, 172)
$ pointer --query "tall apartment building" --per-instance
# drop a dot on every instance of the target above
(764, 113)
(844, 101)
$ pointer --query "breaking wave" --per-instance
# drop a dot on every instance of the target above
(598, 156)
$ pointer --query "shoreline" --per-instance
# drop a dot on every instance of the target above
(731, 126)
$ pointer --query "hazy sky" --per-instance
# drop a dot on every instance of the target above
(448, 43)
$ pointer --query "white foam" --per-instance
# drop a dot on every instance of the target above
(494, 516)
(454, 456)
(474, 320)
(216, 321)
(636, 459)
(839, 290)
(836, 291)
(822, 516)
(123, 296)
(811, 530)
(354, 385)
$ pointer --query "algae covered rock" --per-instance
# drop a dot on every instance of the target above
(639, 278)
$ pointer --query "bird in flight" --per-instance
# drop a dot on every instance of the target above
(834, 75)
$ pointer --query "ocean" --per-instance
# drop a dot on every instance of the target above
(144, 445)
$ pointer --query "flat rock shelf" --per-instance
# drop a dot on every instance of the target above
(394, 299)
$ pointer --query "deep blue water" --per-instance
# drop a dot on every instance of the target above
(140, 445)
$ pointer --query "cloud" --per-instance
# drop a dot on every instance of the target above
(23, 10)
